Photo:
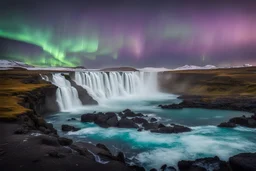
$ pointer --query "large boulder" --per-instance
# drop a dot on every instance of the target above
(150, 126)
(129, 113)
(204, 164)
(110, 114)
(172, 129)
(127, 123)
(139, 120)
(101, 120)
(227, 125)
(243, 162)
(67, 128)
(88, 117)
(113, 121)
(244, 121)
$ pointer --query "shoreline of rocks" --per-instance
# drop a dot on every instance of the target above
(129, 119)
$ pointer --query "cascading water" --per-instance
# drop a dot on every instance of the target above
(67, 96)
(106, 85)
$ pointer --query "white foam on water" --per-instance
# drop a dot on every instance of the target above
(67, 95)
(158, 149)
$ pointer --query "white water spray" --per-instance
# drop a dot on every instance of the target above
(107, 85)
(67, 95)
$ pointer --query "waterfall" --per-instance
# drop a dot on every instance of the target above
(67, 96)
(106, 85)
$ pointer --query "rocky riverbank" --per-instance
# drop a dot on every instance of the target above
(246, 103)
(29, 142)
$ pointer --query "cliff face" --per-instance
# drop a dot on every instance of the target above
(217, 82)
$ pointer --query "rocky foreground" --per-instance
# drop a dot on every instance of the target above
(28, 142)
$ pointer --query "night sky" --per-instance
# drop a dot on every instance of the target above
(138, 33)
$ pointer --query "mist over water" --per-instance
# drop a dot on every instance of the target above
(152, 150)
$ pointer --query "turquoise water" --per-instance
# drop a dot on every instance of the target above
(152, 149)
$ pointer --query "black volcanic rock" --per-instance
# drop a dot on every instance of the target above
(110, 114)
(153, 120)
(243, 162)
(88, 117)
(113, 121)
(65, 141)
(101, 120)
(227, 125)
(120, 157)
(163, 167)
(244, 121)
(127, 123)
(150, 126)
(171, 129)
(203, 164)
(139, 120)
(129, 113)
(67, 128)
(102, 146)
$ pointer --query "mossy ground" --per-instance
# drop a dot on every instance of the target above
(217, 82)
(11, 86)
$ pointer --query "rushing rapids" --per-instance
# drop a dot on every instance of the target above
(106, 85)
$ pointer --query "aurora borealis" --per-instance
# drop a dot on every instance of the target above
(135, 33)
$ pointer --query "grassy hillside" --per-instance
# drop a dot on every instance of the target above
(218, 82)
(12, 85)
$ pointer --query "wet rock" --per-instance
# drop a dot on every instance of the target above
(243, 161)
(120, 157)
(102, 146)
(49, 140)
(113, 121)
(129, 113)
(227, 125)
(163, 167)
(67, 128)
(65, 141)
(110, 114)
(173, 129)
(203, 164)
(139, 120)
(161, 125)
(243, 121)
(127, 123)
(101, 120)
(153, 120)
(150, 126)
(88, 117)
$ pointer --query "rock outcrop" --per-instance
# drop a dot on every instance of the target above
(129, 119)
(243, 162)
